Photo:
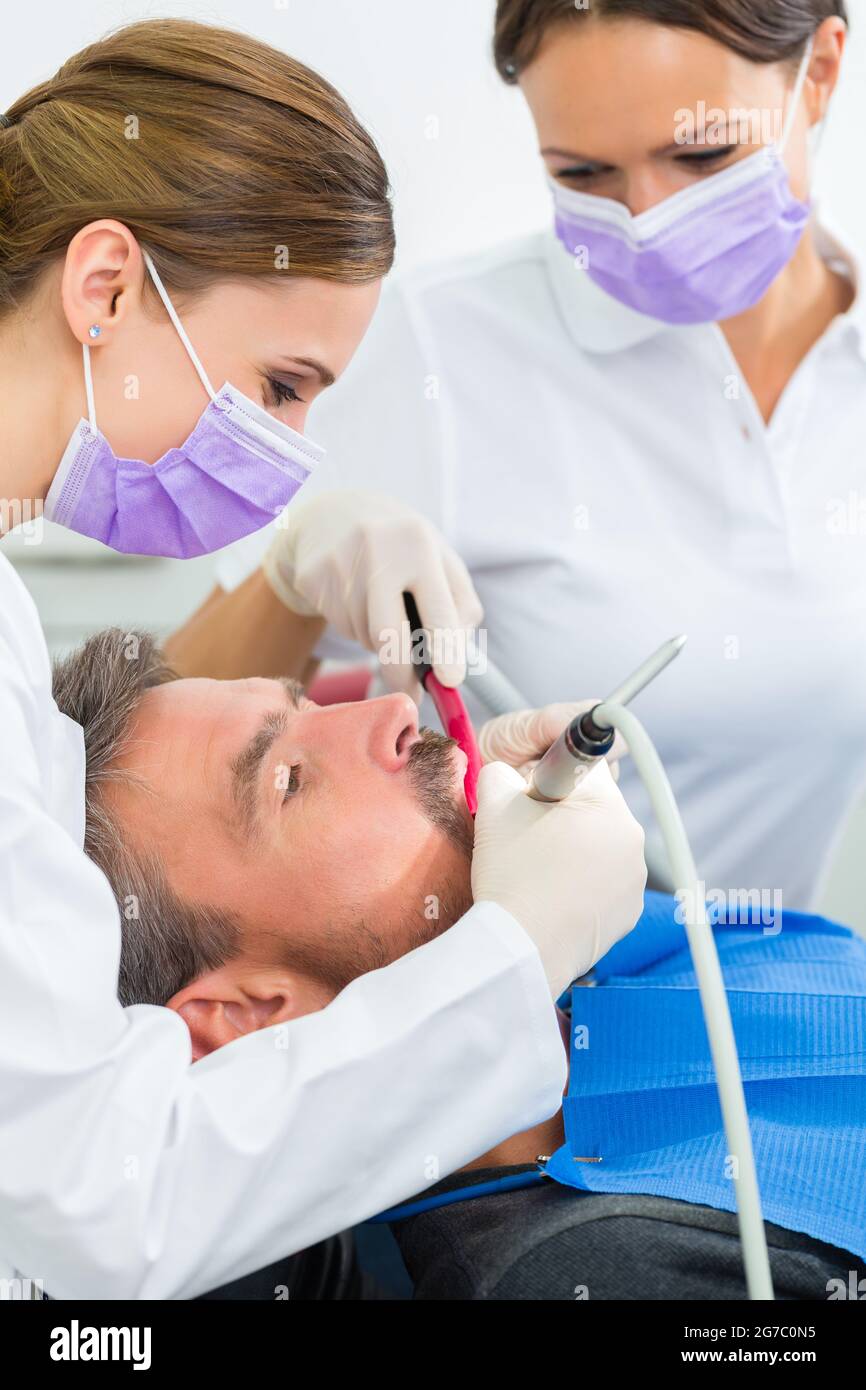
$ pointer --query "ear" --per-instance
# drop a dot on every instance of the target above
(231, 1001)
(824, 67)
(103, 278)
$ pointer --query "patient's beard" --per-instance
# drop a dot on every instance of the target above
(434, 775)
(431, 768)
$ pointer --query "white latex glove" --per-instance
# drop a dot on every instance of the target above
(524, 736)
(347, 556)
(571, 872)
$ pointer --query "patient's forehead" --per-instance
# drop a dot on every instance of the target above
(184, 734)
(178, 749)
(195, 704)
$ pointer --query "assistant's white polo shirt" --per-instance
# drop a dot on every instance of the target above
(610, 482)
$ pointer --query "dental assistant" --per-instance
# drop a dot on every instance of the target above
(649, 418)
(154, 357)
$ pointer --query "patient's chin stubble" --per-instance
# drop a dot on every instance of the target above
(431, 767)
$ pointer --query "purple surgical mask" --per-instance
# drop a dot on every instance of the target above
(707, 252)
(235, 473)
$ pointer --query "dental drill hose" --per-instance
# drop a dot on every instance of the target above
(711, 985)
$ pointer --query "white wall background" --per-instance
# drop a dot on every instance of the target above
(398, 62)
(461, 152)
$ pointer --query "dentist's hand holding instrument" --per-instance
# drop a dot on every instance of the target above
(348, 557)
(522, 737)
(574, 873)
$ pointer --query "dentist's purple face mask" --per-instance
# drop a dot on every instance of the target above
(235, 473)
(705, 253)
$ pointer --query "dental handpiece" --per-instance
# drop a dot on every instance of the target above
(588, 737)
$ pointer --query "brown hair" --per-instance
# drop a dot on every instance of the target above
(764, 31)
(215, 150)
(165, 943)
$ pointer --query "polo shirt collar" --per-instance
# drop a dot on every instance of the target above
(595, 320)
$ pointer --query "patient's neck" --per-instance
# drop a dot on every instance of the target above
(544, 1138)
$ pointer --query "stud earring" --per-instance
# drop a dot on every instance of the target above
(94, 330)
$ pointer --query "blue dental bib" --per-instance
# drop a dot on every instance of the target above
(642, 1113)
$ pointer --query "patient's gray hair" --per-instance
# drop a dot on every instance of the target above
(165, 942)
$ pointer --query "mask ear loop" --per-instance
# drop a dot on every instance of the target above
(88, 387)
(796, 94)
(181, 331)
(816, 143)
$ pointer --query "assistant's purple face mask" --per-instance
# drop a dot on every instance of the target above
(705, 253)
(235, 473)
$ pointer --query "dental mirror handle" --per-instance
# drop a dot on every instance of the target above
(449, 704)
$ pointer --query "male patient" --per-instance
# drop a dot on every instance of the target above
(264, 852)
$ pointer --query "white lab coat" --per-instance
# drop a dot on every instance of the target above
(127, 1172)
(609, 481)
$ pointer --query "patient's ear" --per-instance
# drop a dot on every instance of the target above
(232, 1000)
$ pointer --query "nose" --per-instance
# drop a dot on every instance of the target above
(392, 728)
(378, 732)
(645, 188)
(295, 416)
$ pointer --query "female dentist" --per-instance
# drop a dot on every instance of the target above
(650, 418)
(172, 154)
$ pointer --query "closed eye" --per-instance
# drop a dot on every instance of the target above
(281, 391)
(701, 158)
(288, 780)
(583, 171)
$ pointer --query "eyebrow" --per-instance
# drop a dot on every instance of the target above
(325, 375)
(568, 154)
(247, 765)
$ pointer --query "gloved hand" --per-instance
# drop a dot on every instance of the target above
(572, 872)
(347, 556)
(521, 738)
